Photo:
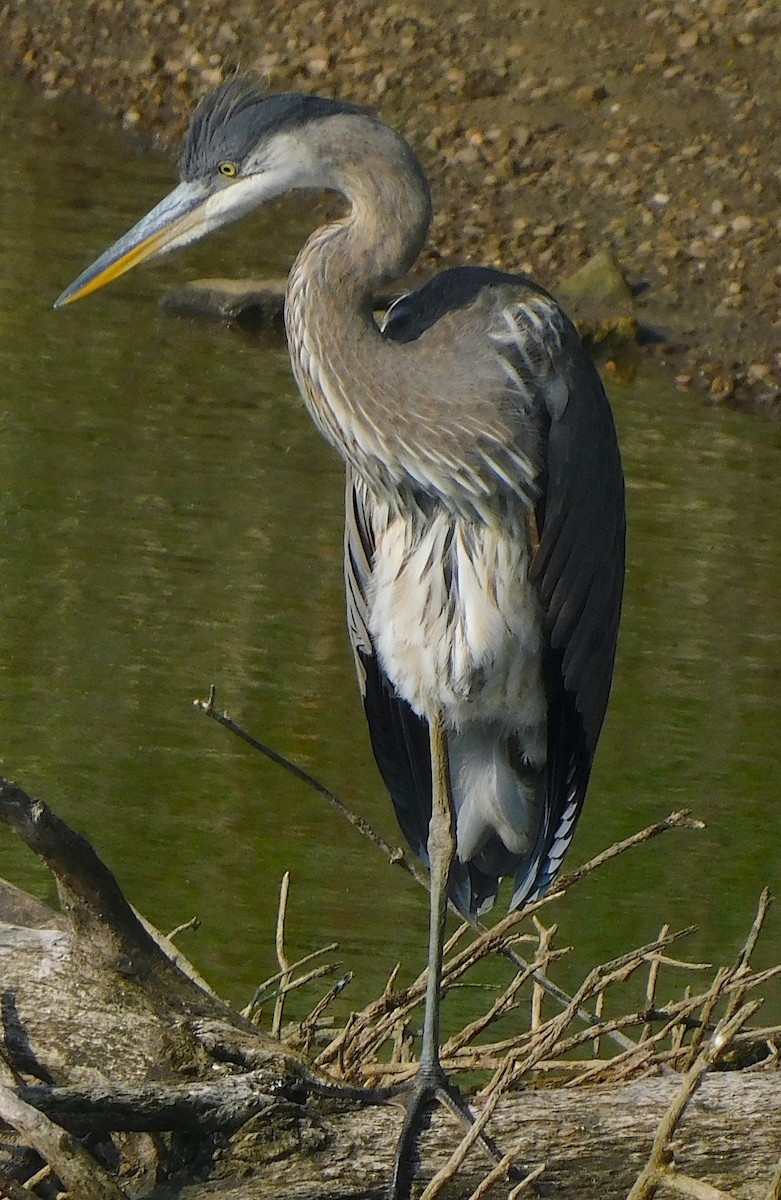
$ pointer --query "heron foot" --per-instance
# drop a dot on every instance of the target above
(430, 1087)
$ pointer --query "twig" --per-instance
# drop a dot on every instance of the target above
(504, 1003)
(650, 987)
(546, 936)
(193, 923)
(307, 1027)
(657, 1170)
(501, 1171)
(599, 1008)
(694, 1189)
(527, 1181)
(394, 854)
(279, 1003)
(709, 1004)
(259, 995)
(71, 1162)
(38, 1177)
(676, 820)
(456, 1160)
(744, 958)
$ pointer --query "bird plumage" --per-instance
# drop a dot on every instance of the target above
(548, 377)
(485, 523)
(485, 516)
(484, 538)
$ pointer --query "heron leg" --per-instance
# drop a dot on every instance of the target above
(441, 853)
(431, 1085)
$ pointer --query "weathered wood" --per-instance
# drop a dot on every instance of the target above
(106, 1035)
(226, 1104)
(102, 921)
(76, 1168)
(594, 1143)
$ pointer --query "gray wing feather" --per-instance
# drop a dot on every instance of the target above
(578, 570)
(579, 573)
(579, 566)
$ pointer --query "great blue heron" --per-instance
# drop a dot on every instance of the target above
(484, 547)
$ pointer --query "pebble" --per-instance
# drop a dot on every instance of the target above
(545, 141)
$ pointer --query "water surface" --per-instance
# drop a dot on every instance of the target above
(170, 519)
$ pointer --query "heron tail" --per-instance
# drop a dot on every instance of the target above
(498, 797)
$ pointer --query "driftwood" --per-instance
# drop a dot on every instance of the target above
(122, 1074)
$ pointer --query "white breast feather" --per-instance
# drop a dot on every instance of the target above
(456, 622)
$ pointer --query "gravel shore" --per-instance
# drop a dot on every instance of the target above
(549, 131)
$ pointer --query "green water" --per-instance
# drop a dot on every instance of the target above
(170, 519)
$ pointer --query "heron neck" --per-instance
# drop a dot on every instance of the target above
(338, 354)
(379, 175)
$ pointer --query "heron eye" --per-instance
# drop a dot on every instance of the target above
(228, 169)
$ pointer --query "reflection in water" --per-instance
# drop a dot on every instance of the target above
(170, 519)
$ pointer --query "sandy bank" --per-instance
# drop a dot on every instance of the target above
(550, 131)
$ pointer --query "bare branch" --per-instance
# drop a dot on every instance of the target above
(73, 1165)
(676, 820)
(394, 854)
(656, 1171)
(284, 965)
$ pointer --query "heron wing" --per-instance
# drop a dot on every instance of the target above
(578, 570)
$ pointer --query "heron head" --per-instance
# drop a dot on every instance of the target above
(243, 147)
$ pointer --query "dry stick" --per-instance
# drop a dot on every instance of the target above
(681, 819)
(694, 1189)
(306, 1027)
(503, 1004)
(300, 981)
(376, 1018)
(650, 987)
(676, 820)
(456, 1160)
(599, 1008)
(737, 979)
(73, 1165)
(38, 1177)
(656, 1172)
(628, 963)
(193, 923)
(642, 1055)
(501, 1171)
(546, 936)
(378, 1022)
(541, 1043)
(371, 1027)
(527, 1182)
(677, 1015)
(720, 979)
(259, 994)
(394, 853)
(279, 1003)
(742, 964)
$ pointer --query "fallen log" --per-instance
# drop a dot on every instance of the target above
(121, 1073)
